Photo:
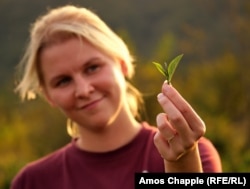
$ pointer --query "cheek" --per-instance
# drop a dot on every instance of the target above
(60, 99)
(115, 78)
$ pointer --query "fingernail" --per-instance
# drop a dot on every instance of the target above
(159, 96)
(166, 82)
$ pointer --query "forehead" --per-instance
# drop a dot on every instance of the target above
(70, 50)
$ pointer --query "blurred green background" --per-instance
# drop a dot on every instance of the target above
(213, 75)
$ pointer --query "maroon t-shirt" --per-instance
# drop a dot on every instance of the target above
(72, 168)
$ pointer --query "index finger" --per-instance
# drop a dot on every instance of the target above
(192, 118)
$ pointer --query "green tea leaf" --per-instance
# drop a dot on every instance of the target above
(169, 69)
(166, 70)
(172, 66)
(161, 69)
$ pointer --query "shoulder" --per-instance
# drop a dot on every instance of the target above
(209, 155)
(52, 159)
(37, 169)
(206, 146)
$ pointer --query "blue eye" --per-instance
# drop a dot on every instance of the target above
(93, 68)
(63, 81)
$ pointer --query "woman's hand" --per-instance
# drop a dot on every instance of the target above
(179, 130)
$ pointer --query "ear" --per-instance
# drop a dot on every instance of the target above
(124, 68)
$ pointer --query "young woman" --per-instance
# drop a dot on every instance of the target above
(79, 65)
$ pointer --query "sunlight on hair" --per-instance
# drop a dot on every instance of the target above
(72, 128)
(31, 95)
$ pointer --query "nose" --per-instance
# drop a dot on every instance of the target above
(83, 87)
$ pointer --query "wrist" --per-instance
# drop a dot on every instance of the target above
(189, 162)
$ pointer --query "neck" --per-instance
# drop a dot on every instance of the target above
(111, 137)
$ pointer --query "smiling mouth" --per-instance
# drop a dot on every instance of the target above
(91, 104)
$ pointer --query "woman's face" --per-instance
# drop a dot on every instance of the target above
(85, 84)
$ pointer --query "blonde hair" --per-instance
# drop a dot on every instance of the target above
(65, 22)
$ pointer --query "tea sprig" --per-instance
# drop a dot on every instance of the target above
(169, 69)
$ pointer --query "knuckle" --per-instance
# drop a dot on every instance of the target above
(176, 119)
(201, 130)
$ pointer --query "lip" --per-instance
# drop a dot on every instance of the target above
(90, 104)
